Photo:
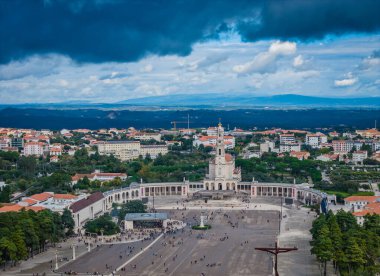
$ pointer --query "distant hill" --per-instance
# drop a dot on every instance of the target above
(221, 100)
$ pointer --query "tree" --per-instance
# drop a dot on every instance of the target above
(346, 221)
(8, 250)
(103, 223)
(27, 165)
(354, 254)
(372, 223)
(5, 194)
(68, 222)
(133, 206)
(19, 241)
(337, 241)
(323, 247)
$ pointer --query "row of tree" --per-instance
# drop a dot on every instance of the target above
(353, 249)
(25, 233)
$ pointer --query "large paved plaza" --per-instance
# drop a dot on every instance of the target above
(226, 249)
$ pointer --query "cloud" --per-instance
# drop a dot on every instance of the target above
(371, 62)
(125, 31)
(147, 68)
(346, 82)
(298, 61)
(35, 66)
(265, 62)
(282, 48)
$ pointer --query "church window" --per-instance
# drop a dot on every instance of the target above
(220, 152)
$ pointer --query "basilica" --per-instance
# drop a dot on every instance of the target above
(223, 175)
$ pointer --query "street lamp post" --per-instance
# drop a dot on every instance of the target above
(56, 259)
(74, 256)
(280, 218)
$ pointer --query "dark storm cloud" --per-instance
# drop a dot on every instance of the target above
(115, 30)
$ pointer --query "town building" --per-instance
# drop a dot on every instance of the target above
(124, 150)
(355, 203)
(287, 139)
(359, 156)
(97, 175)
(342, 146)
(34, 148)
(300, 155)
(290, 147)
(267, 146)
(87, 208)
(369, 133)
(153, 150)
(211, 141)
(315, 140)
(327, 157)
(145, 136)
(129, 150)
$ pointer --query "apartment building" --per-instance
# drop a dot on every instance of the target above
(153, 150)
(129, 150)
(287, 139)
(124, 150)
(369, 133)
(210, 141)
(315, 140)
(145, 136)
(34, 148)
(290, 147)
(359, 156)
(342, 146)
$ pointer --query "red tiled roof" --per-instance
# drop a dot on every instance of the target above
(64, 196)
(85, 202)
(362, 198)
(41, 197)
(29, 201)
(17, 208)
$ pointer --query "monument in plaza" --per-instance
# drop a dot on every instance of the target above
(222, 175)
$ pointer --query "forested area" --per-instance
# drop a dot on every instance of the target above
(25, 233)
(352, 249)
(270, 168)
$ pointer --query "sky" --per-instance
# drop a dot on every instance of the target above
(113, 50)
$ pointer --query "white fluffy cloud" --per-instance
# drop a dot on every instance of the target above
(283, 48)
(266, 62)
(345, 82)
(298, 61)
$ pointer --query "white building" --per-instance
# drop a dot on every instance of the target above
(359, 156)
(287, 139)
(129, 150)
(211, 141)
(266, 147)
(355, 203)
(145, 136)
(290, 147)
(97, 175)
(315, 140)
(34, 148)
(342, 146)
(87, 209)
(153, 150)
(124, 150)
